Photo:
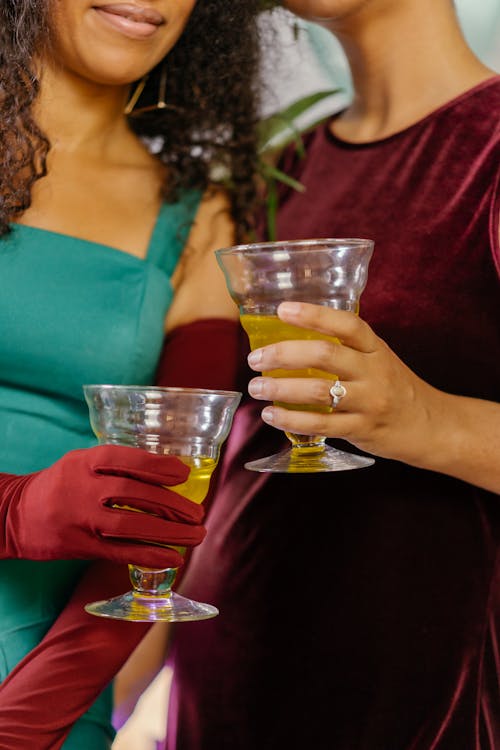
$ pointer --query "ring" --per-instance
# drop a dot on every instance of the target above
(337, 392)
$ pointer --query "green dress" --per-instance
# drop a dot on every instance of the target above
(71, 312)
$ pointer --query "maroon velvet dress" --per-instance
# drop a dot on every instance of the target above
(357, 609)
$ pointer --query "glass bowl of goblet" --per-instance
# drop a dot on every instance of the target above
(261, 275)
(189, 423)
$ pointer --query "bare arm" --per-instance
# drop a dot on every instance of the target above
(200, 288)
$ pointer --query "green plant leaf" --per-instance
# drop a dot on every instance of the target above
(272, 209)
(281, 127)
(276, 132)
(272, 173)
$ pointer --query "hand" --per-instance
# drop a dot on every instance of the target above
(387, 409)
(69, 510)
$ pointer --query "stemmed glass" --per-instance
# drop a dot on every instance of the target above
(259, 276)
(190, 423)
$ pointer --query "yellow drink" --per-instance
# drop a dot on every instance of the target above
(198, 481)
(269, 329)
(195, 488)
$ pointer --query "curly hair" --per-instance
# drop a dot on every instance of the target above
(206, 132)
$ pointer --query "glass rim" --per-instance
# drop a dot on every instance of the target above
(278, 244)
(161, 389)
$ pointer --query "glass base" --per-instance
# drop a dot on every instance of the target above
(134, 607)
(293, 461)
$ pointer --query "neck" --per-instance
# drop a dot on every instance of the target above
(79, 115)
(404, 64)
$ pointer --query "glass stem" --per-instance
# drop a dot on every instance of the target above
(152, 582)
(306, 443)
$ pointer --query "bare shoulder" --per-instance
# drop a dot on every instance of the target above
(200, 289)
(213, 226)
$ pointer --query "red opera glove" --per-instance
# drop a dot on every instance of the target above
(66, 511)
(58, 681)
(206, 353)
(40, 700)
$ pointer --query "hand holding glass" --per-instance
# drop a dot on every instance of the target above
(259, 276)
(189, 423)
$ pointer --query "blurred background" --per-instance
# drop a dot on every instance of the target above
(296, 65)
(301, 61)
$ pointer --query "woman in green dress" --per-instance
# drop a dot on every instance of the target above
(112, 119)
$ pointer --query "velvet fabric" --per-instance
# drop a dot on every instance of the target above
(359, 610)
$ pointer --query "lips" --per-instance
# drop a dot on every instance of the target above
(132, 20)
(134, 13)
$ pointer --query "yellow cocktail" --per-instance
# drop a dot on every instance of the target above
(198, 482)
(189, 423)
(330, 272)
(269, 329)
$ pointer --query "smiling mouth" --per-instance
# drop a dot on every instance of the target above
(132, 20)
(133, 13)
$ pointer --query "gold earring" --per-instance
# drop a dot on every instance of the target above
(130, 108)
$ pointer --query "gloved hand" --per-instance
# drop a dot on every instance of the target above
(66, 511)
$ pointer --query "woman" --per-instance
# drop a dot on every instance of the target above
(387, 640)
(113, 118)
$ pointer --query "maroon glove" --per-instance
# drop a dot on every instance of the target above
(66, 511)
(40, 700)
(207, 353)
(58, 681)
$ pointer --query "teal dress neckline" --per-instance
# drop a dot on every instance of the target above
(172, 224)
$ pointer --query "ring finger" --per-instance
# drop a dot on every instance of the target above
(315, 392)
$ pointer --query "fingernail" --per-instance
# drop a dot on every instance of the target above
(255, 387)
(290, 308)
(268, 414)
(255, 358)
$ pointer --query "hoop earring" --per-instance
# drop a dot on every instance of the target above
(130, 108)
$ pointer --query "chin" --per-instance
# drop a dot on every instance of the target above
(324, 10)
(111, 67)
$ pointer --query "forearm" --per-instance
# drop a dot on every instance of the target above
(59, 680)
(462, 439)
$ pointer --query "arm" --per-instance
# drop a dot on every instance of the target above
(205, 353)
(199, 284)
(40, 699)
(77, 640)
(92, 647)
(203, 348)
(387, 410)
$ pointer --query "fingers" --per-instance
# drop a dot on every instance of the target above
(332, 423)
(158, 501)
(314, 391)
(137, 463)
(128, 552)
(327, 359)
(142, 528)
(346, 326)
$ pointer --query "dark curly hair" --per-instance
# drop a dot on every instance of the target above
(207, 130)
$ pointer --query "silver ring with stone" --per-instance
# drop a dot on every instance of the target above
(337, 392)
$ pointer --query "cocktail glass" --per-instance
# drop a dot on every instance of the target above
(259, 276)
(189, 423)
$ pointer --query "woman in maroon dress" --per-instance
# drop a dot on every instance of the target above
(359, 610)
